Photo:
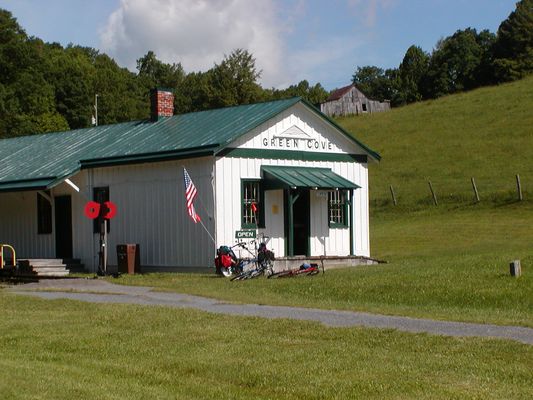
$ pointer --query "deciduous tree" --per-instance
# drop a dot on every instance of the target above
(411, 74)
(374, 82)
(456, 62)
(234, 80)
(513, 50)
(315, 94)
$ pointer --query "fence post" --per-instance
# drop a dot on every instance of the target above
(433, 194)
(515, 268)
(519, 188)
(393, 195)
(475, 189)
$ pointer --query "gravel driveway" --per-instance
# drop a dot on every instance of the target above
(100, 291)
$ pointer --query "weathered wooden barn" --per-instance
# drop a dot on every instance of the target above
(349, 100)
(307, 177)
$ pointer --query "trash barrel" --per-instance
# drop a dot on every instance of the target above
(128, 258)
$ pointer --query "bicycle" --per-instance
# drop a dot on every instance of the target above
(261, 264)
(304, 270)
(226, 262)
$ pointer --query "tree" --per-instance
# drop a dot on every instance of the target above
(15, 51)
(456, 62)
(374, 82)
(411, 74)
(27, 103)
(72, 73)
(513, 50)
(234, 80)
(314, 94)
(195, 93)
(120, 96)
(159, 74)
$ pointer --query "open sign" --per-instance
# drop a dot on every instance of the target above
(245, 234)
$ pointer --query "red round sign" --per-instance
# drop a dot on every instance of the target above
(92, 209)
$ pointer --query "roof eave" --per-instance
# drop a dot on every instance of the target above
(170, 155)
(24, 185)
(375, 156)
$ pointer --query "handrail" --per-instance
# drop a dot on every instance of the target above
(2, 255)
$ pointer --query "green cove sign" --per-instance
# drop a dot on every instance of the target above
(297, 143)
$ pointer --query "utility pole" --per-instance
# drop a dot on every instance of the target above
(96, 110)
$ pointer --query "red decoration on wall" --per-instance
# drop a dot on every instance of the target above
(92, 209)
(111, 210)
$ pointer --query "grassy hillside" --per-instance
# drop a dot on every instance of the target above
(486, 134)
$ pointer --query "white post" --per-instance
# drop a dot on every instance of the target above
(105, 246)
(95, 110)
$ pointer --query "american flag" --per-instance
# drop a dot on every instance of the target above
(190, 194)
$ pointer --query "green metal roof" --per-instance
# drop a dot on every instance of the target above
(297, 177)
(42, 161)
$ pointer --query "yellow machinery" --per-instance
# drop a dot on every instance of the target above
(2, 255)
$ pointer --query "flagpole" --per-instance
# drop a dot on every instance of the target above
(190, 195)
(211, 237)
(207, 212)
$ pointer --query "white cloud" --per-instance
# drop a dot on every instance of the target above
(368, 9)
(196, 33)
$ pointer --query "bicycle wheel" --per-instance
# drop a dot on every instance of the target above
(255, 273)
(312, 271)
(240, 277)
(268, 268)
(244, 273)
(226, 272)
(281, 274)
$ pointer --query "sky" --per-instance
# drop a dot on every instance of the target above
(321, 41)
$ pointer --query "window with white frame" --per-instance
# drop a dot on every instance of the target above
(251, 204)
(337, 208)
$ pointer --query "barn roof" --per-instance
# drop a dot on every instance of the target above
(338, 93)
(42, 161)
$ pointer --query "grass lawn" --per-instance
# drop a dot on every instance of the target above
(65, 350)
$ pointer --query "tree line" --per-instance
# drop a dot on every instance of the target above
(46, 87)
(463, 61)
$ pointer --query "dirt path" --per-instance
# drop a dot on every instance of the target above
(100, 291)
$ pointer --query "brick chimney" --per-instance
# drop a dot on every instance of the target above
(162, 103)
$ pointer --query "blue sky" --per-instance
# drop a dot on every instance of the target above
(318, 40)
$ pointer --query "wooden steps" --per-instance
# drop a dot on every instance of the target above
(50, 267)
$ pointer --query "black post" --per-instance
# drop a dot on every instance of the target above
(519, 188)
(102, 229)
(291, 200)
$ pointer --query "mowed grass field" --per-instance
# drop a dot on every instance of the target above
(446, 262)
(441, 264)
(72, 350)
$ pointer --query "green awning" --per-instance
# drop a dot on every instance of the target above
(278, 177)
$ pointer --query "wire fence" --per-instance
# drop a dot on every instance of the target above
(433, 197)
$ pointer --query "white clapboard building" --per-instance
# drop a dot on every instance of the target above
(305, 177)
